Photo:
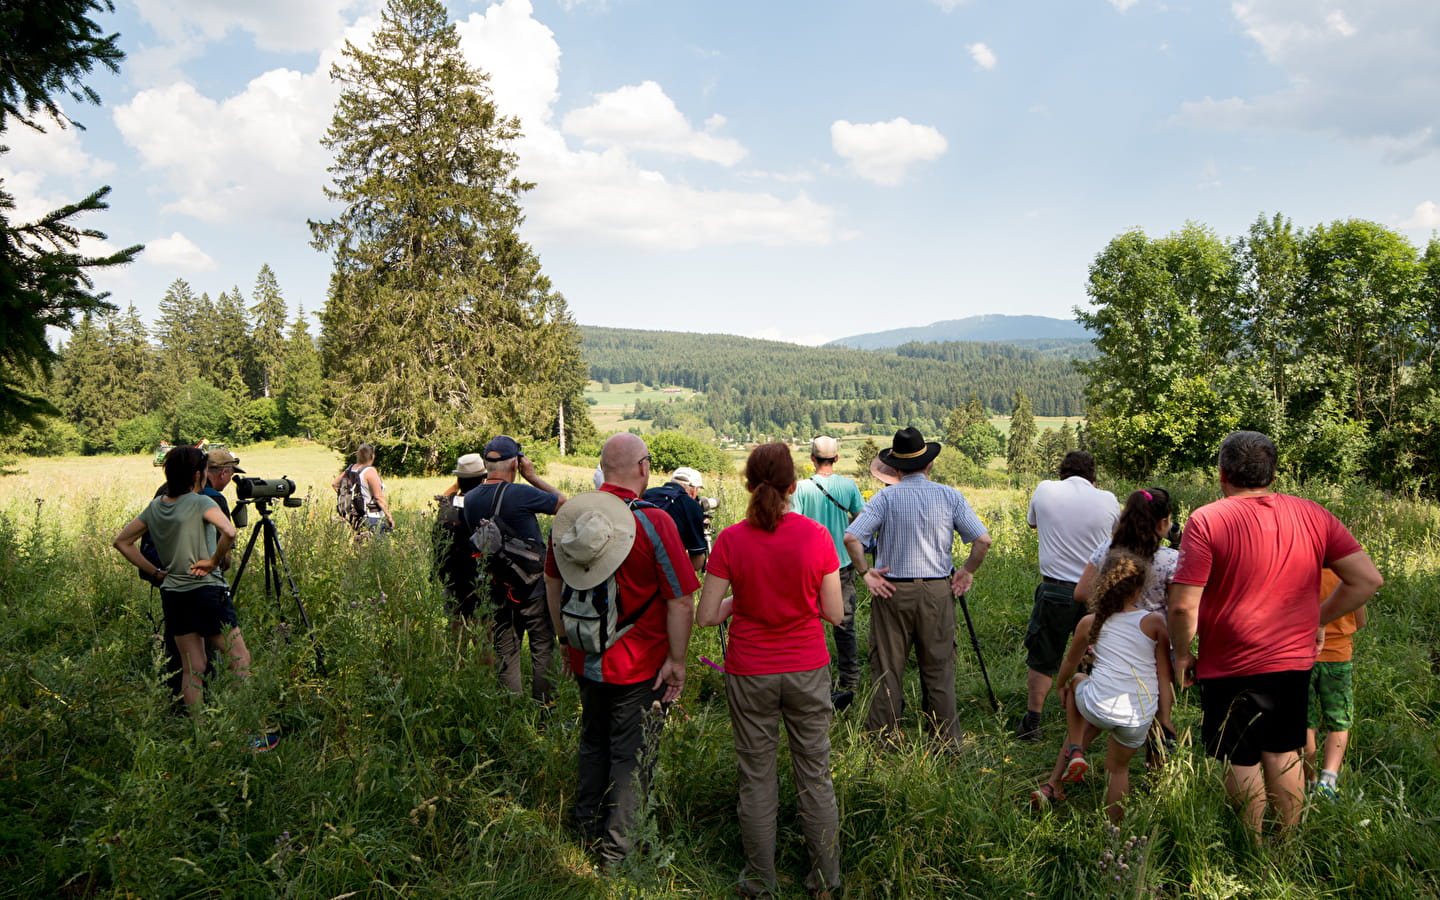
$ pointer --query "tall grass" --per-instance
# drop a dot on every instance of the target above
(404, 769)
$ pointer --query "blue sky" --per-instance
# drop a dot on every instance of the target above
(799, 171)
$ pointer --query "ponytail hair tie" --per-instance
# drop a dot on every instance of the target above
(1147, 495)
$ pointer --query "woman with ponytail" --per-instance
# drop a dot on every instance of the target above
(775, 576)
(1143, 522)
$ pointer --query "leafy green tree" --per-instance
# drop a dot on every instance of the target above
(866, 455)
(1020, 454)
(104, 376)
(47, 48)
(439, 323)
(266, 365)
(201, 412)
(669, 450)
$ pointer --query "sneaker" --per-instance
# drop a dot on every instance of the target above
(1045, 796)
(1028, 729)
(1075, 765)
(1326, 791)
(264, 743)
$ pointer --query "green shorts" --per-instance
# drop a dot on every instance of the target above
(1332, 697)
(1052, 622)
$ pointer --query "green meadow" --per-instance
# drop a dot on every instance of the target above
(404, 771)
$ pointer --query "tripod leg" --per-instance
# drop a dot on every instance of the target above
(277, 564)
(245, 560)
(975, 642)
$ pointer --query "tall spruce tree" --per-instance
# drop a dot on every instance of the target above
(302, 392)
(1021, 457)
(267, 335)
(439, 324)
(47, 47)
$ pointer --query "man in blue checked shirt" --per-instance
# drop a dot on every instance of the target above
(914, 583)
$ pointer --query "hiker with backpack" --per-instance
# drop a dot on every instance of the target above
(360, 494)
(677, 497)
(500, 516)
(620, 597)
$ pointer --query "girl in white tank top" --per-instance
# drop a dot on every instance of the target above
(1121, 693)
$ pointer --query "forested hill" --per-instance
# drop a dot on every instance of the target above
(1022, 330)
(756, 385)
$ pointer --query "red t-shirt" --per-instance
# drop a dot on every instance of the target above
(638, 655)
(775, 578)
(1259, 560)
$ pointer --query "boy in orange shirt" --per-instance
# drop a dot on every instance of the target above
(1332, 695)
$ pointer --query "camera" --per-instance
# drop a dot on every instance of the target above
(266, 489)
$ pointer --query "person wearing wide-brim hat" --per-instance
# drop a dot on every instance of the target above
(625, 689)
(914, 582)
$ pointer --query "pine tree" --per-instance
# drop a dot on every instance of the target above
(439, 324)
(229, 345)
(302, 393)
(1020, 453)
(175, 332)
(266, 367)
(46, 48)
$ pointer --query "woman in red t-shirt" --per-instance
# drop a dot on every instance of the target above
(782, 577)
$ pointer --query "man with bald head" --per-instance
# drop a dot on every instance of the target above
(625, 689)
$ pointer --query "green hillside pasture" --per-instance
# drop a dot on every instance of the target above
(613, 405)
(405, 771)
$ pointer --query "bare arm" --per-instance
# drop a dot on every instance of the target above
(335, 485)
(553, 586)
(1155, 627)
(832, 605)
(874, 578)
(1086, 585)
(1362, 616)
(1359, 580)
(527, 471)
(377, 493)
(713, 608)
(125, 543)
(965, 577)
(215, 517)
(1076, 652)
(1183, 614)
(679, 620)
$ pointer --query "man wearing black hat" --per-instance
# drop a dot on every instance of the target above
(519, 608)
(914, 582)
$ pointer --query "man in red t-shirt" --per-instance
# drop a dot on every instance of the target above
(624, 690)
(1248, 576)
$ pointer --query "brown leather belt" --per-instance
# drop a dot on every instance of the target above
(1048, 580)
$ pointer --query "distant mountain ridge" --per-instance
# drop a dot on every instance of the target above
(992, 328)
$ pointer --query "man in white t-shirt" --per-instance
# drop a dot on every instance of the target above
(1073, 517)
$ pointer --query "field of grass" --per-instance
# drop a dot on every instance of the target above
(404, 771)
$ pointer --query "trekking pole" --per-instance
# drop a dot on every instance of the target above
(975, 642)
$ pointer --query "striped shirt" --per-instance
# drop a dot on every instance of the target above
(917, 520)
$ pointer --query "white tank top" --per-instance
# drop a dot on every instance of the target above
(1124, 685)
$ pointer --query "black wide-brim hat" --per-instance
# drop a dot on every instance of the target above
(909, 452)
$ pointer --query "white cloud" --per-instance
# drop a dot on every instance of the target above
(44, 171)
(1426, 215)
(984, 57)
(603, 195)
(642, 117)
(882, 151)
(276, 24)
(949, 5)
(177, 252)
(809, 339)
(256, 155)
(1369, 71)
(1123, 5)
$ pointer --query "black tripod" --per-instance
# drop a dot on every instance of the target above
(275, 566)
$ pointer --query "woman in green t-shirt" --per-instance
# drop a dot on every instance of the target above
(192, 536)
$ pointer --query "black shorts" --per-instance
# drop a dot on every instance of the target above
(1052, 622)
(206, 611)
(1248, 715)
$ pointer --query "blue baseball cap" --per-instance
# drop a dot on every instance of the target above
(502, 447)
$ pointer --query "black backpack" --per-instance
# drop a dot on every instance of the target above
(350, 503)
(152, 555)
(522, 559)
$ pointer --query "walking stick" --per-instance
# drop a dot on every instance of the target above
(975, 642)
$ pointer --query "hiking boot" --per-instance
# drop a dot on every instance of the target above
(1028, 728)
(264, 743)
(1075, 765)
(841, 700)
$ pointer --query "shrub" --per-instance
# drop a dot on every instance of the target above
(669, 450)
(140, 434)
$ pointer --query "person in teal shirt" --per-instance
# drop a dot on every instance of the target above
(834, 501)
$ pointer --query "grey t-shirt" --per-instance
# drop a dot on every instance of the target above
(183, 538)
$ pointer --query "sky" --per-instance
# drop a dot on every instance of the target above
(799, 171)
